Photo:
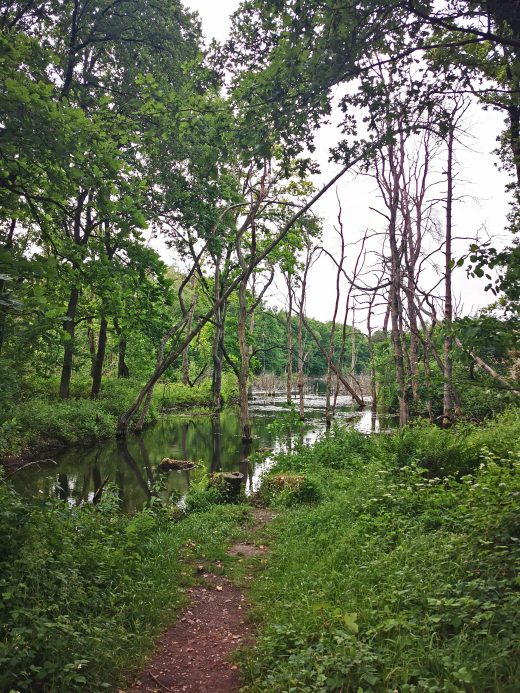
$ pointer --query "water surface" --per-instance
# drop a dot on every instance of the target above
(212, 441)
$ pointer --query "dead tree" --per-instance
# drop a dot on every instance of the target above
(309, 254)
(288, 281)
(176, 351)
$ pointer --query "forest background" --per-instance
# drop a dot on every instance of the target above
(112, 130)
(120, 123)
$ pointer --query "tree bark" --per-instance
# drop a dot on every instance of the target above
(448, 306)
(218, 340)
(185, 353)
(359, 400)
(122, 369)
(97, 371)
(301, 317)
(8, 245)
(148, 398)
(69, 327)
(395, 290)
(243, 371)
(289, 340)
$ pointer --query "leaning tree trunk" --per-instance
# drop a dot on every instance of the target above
(488, 369)
(148, 398)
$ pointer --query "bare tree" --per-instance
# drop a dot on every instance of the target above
(176, 351)
(310, 252)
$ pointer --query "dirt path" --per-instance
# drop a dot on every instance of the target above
(194, 655)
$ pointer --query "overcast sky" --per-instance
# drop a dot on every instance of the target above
(482, 208)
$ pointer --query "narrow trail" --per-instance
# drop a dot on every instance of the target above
(195, 654)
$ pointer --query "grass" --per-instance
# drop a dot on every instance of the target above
(399, 578)
(37, 419)
(85, 590)
(393, 566)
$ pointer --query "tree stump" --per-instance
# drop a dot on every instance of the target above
(168, 465)
(229, 484)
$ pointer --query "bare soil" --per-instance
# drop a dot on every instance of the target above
(195, 654)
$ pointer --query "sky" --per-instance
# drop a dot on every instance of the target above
(481, 207)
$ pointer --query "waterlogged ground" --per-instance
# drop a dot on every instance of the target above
(214, 443)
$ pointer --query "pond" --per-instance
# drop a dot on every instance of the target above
(212, 441)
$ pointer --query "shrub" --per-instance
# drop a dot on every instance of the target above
(290, 489)
(456, 451)
(83, 590)
(397, 580)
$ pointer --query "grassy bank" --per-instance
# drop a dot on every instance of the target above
(84, 590)
(393, 565)
(36, 419)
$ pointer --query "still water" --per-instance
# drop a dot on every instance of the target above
(213, 442)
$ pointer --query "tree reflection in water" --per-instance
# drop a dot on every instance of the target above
(214, 441)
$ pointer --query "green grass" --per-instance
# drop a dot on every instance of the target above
(397, 579)
(37, 418)
(85, 590)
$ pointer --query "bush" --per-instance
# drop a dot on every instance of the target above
(45, 420)
(456, 451)
(397, 580)
(287, 490)
(85, 589)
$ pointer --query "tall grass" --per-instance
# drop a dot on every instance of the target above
(84, 590)
(400, 579)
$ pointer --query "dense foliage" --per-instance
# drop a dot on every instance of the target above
(404, 575)
(84, 590)
(394, 556)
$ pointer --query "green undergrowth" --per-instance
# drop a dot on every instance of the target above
(36, 418)
(83, 591)
(403, 577)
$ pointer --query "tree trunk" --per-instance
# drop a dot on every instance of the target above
(91, 347)
(97, 373)
(427, 378)
(218, 340)
(373, 385)
(328, 393)
(149, 393)
(448, 306)
(69, 326)
(289, 341)
(122, 368)
(185, 353)
(301, 360)
(395, 288)
(243, 373)
(3, 311)
(348, 387)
